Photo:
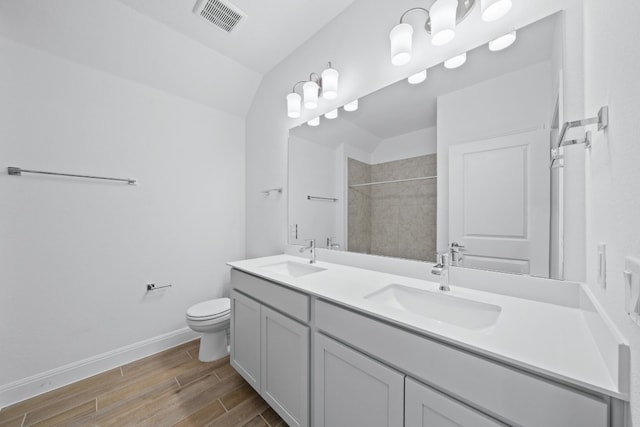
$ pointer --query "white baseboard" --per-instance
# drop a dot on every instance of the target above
(46, 381)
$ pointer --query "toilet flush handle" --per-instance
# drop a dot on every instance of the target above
(153, 287)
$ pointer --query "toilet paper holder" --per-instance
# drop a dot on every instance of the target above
(153, 287)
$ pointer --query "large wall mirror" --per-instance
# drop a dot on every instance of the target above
(463, 157)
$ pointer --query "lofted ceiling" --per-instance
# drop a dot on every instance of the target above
(413, 107)
(162, 44)
(270, 32)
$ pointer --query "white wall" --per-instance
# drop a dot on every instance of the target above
(612, 61)
(312, 172)
(412, 144)
(75, 254)
(512, 103)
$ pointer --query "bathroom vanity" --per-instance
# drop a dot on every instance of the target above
(330, 345)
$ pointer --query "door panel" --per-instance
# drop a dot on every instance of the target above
(499, 202)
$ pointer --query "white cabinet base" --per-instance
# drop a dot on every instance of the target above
(352, 390)
(245, 338)
(285, 367)
(425, 407)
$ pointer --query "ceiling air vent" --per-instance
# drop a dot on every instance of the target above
(222, 14)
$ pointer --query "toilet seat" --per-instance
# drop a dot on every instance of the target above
(222, 316)
(210, 310)
(211, 319)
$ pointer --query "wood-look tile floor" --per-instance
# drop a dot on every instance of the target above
(172, 388)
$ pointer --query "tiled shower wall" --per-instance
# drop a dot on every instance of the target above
(359, 207)
(395, 219)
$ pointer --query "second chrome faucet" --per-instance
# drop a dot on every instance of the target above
(445, 260)
(442, 269)
(312, 250)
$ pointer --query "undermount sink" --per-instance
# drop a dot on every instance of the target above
(292, 268)
(438, 306)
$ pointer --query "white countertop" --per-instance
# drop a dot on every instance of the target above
(548, 339)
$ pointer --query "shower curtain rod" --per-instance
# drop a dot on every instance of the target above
(391, 182)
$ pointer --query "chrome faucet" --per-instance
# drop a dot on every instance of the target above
(331, 245)
(312, 250)
(442, 269)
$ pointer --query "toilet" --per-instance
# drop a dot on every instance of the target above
(212, 319)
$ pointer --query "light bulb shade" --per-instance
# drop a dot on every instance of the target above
(492, 10)
(330, 83)
(401, 39)
(332, 114)
(456, 61)
(293, 105)
(351, 106)
(314, 122)
(418, 77)
(443, 21)
(310, 90)
(502, 42)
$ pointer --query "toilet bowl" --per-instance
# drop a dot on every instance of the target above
(211, 318)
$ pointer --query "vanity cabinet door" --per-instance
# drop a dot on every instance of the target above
(351, 389)
(285, 367)
(425, 407)
(245, 338)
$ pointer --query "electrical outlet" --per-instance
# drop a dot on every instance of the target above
(632, 288)
(602, 265)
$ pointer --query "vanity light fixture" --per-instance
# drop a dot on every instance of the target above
(492, 10)
(351, 106)
(456, 61)
(329, 82)
(325, 84)
(502, 42)
(401, 39)
(332, 114)
(293, 105)
(418, 77)
(310, 90)
(441, 23)
(314, 122)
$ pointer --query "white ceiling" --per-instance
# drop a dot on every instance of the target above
(270, 32)
(162, 44)
(402, 108)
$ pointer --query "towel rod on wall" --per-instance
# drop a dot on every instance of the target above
(602, 120)
(19, 171)
(329, 199)
(556, 156)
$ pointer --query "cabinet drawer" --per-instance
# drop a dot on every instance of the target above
(503, 392)
(295, 304)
